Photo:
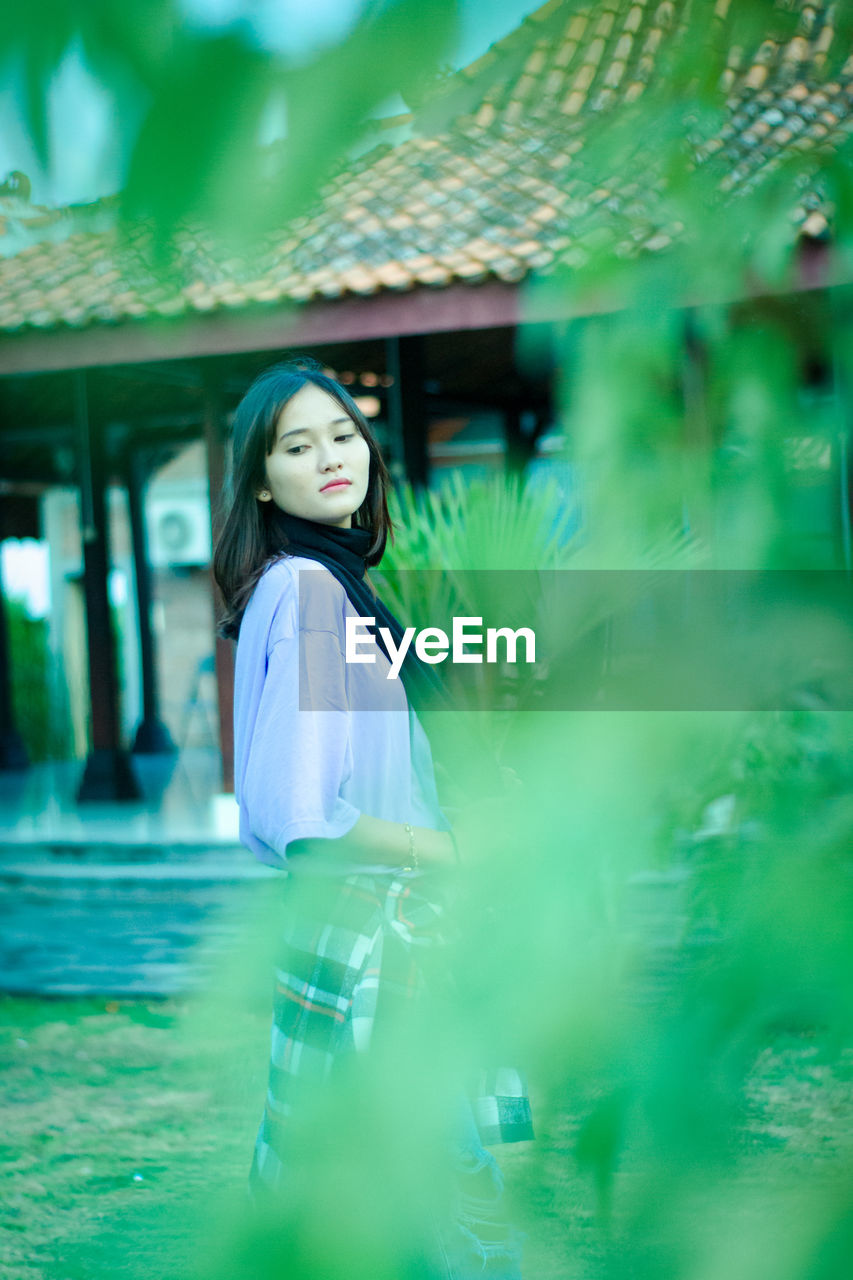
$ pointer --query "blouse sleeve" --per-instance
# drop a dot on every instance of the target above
(300, 755)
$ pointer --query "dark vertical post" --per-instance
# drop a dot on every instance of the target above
(522, 429)
(214, 434)
(13, 753)
(151, 737)
(108, 774)
(407, 416)
(528, 412)
(516, 443)
(697, 499)
(841, 333)
(397, 460)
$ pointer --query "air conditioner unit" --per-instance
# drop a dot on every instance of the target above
(178, 531)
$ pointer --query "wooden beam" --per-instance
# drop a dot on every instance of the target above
(270, 328)
(281, 326)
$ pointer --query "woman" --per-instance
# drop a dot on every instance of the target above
(330, 789)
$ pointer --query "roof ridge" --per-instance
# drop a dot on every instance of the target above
(519, 187)
(23, 224)
(460, 93)
(506, 43)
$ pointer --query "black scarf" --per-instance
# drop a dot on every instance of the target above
(344, 553)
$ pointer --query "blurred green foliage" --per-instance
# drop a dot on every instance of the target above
(39, 695)
(667, 897)
(191, 102)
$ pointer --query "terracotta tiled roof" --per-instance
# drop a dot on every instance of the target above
(490, 178)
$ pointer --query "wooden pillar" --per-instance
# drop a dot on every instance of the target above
(514, 442)
(697, 494)
(151, 737)
(214, 434)
(841, 331)
(13, 753)
(530, 411)
(407, 416)
(108, 774)
(522, 430)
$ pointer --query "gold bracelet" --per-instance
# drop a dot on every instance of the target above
(414, 863)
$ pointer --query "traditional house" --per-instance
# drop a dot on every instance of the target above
(407, 277)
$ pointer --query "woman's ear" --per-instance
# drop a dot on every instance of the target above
(263, 495)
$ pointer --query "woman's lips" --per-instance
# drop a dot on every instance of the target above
(336, 484)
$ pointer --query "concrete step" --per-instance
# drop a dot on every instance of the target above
(75, 922)
(115, 850)
(96, 862)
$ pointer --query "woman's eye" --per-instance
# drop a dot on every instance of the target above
(297, 448)
(351, 436)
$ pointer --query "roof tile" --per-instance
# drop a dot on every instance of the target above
(614, 75)
(584, 77)
(501, 191)
(565, 53)
(756, 77)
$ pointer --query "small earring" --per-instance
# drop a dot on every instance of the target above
(264, 495)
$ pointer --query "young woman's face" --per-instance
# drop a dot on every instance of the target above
(319, 465)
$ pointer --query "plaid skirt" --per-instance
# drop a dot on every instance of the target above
(356, 951)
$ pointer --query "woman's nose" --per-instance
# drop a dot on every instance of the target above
(330, 458)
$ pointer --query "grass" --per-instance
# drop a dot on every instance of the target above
(122, 1117)
(112, 1114)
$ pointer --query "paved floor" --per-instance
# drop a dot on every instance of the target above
(182, 803)
(137, 899)
(120, 899)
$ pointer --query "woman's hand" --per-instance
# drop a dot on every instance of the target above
(480, 829)
(374, 840)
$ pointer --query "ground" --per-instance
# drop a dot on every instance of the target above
(113, 1120)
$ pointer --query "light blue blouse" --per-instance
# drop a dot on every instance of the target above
(308, 761)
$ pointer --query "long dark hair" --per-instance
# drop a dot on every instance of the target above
(246, 544)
